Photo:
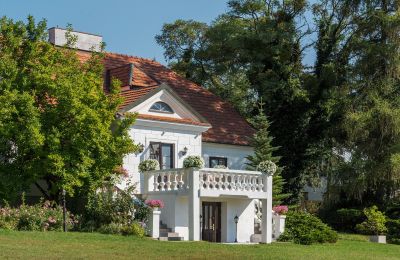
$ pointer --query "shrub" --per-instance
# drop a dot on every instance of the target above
(142, 211)
(39, 217)
(375, 223)
(107, 206)
(304, 228)
(149, 165)
(134, 229)
(393, 231)
(312, 207)
(348, 219)
(112, 228)
(193, 161)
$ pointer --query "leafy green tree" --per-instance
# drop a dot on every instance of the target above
(265, 151)
(56, 122)
(251, 53)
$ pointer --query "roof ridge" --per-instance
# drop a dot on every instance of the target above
(132, 56)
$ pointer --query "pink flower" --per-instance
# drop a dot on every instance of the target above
(280, 209)
(155, 203)
(51, 220)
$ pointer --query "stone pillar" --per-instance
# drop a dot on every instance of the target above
(266, 233)
(194, 204)
(154, 223)
(279, 225)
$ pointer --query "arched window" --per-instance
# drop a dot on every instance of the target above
(161, 107)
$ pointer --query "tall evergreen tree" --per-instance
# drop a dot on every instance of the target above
(265, 151)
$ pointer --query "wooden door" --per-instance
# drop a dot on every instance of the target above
(211, 221)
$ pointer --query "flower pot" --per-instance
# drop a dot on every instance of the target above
(378, 239)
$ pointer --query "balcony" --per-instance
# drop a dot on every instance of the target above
(208, 182)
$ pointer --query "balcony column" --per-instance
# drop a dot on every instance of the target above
(266, 232)
(194, 204)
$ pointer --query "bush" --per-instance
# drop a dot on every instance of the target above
(193, 161)
(149, 165)
(108, 206)
(304, 228)
(39, 217)
(375, 223)
(142, 211)
(112, 228)
(134, 229)
(393, 231)
(344, 219)
(348, 219)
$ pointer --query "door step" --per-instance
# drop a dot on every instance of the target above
(166, 234)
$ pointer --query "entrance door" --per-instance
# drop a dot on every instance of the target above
(211, 221)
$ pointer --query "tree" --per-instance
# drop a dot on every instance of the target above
(56, 122)
(251, 53)
(372, 122)
(265, 151)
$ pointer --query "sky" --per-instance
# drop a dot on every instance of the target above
(127, 26)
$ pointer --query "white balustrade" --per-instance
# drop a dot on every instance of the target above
(167, 180)
(212, 182)
(231, 180)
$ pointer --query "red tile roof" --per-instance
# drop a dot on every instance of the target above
(228, 126)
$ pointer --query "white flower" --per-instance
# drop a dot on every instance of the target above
(149, 165)
(193, 161)
(267, 167)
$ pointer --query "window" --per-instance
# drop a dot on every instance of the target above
(218, 161)
(163, 153)
(161, 107)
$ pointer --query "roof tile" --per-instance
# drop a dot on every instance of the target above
(228, 126)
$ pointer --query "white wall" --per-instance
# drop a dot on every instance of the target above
(230, 207)
(145, 135)
(236, 154)
(175, 213)
(165, 96)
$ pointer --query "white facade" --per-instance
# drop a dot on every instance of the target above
(235, 154)
(186, 192)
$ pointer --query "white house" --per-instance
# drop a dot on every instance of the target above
(177, 118)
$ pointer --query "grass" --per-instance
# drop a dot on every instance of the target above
(54, 245)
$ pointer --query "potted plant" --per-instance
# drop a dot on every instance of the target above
(193, 161)
(155, 204)
(375, 225)
(267, 167)
(149, 165)
(279, 219)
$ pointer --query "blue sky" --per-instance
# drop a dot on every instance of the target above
(127, 26)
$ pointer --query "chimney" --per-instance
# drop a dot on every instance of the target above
(85, 41)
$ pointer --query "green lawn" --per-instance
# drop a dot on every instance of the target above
(52, 245)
